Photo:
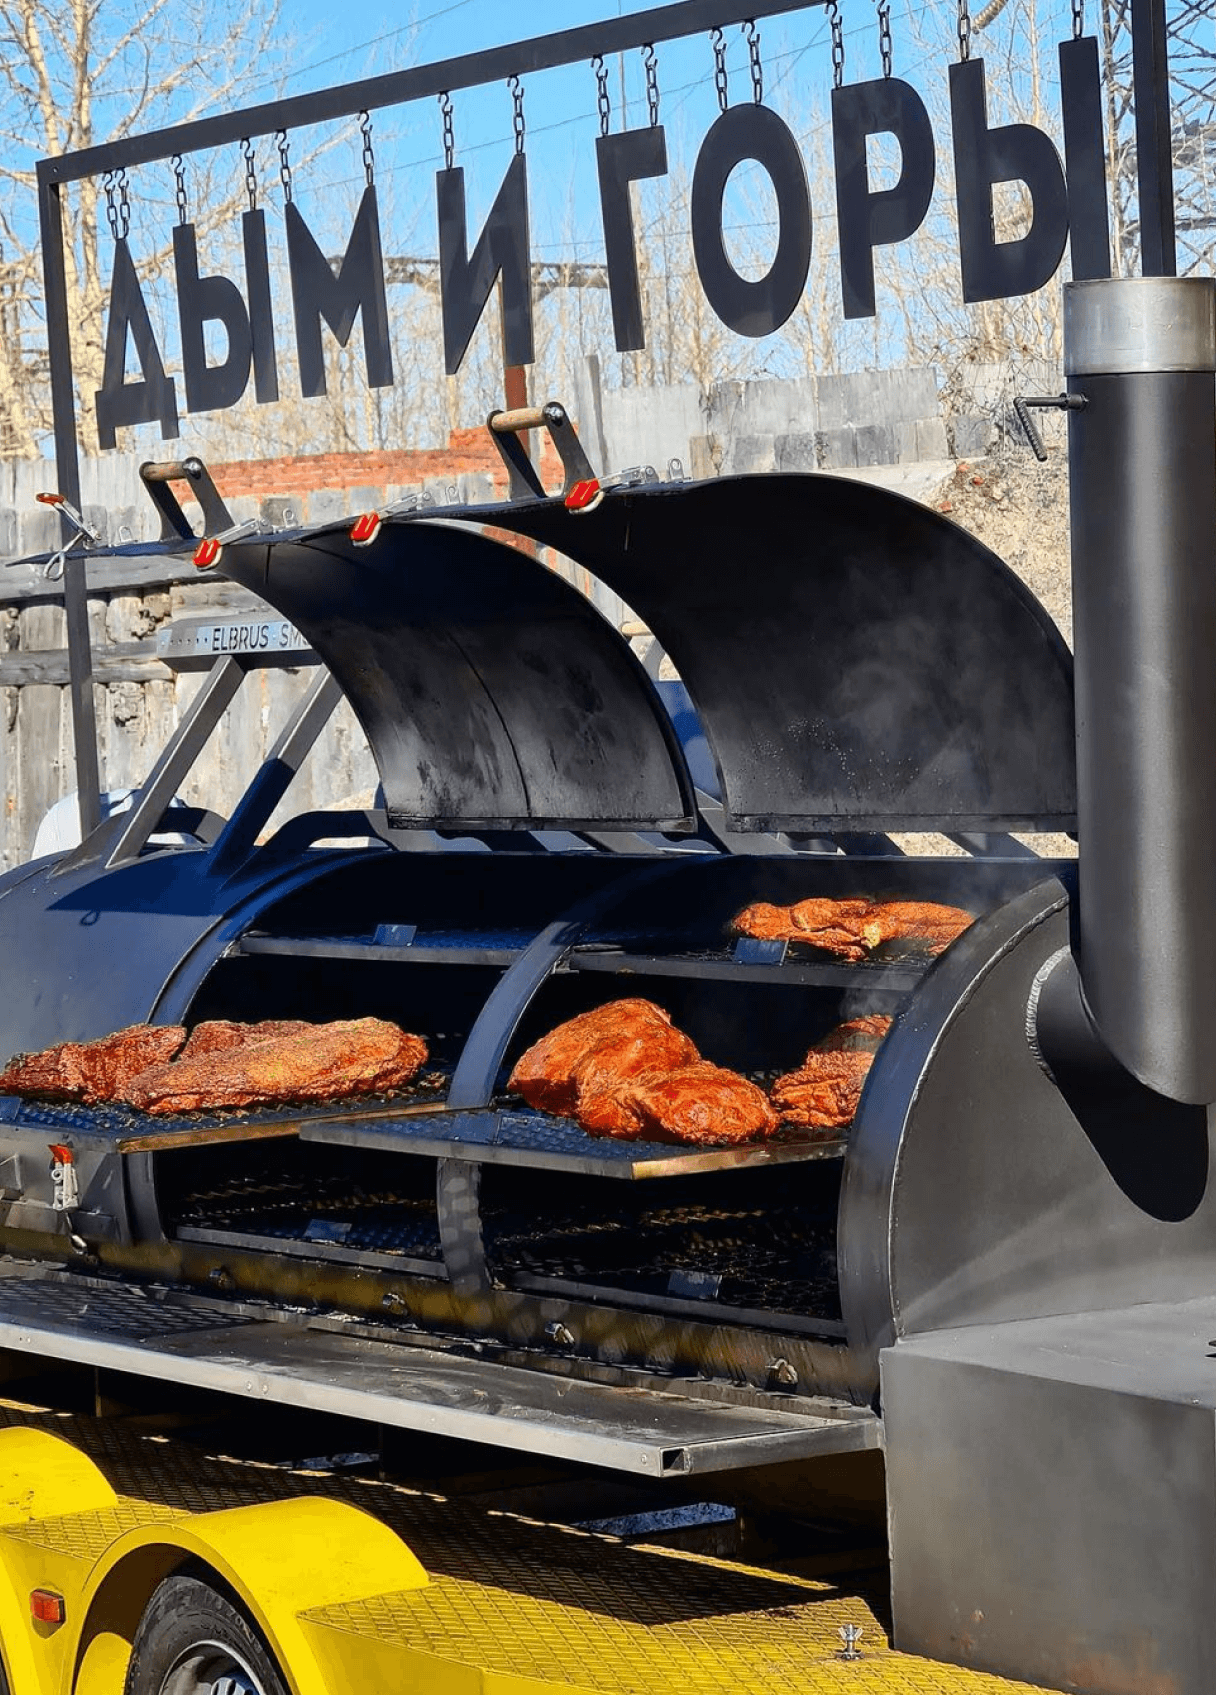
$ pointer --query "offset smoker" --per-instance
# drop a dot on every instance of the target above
(893, 675)
(1016, 1194)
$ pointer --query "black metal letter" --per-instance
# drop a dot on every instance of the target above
(751, 132)
(867, 219)
(209, 388)
(118, 401)
(1085, 158)
(358, 286)
(503, 249)
(991, 269)
(261, 313)
(622, 159)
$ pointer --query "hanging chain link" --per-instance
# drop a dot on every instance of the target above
(179, 180)
(601, 92)
(107, 183)
(517, 100)
(284, 162)
(964, 31)
(1078, 19)
(651, 62)
(719, 43)
(449, 134)
(251, 175)
(884, 35)
(369, 158)
(837, 43)
(753, 59)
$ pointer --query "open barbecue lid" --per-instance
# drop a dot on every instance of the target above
(492, 693)
(855, 658)
(857, 661)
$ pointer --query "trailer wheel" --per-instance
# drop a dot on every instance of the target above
(193, 1641)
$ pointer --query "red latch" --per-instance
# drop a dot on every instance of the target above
(50, 499)
(206, 553)
(47, 1607)
(585, 495)
(60, 1154)
(365, 528)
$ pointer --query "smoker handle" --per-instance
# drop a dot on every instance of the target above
(581, 490)
(522, 418)
(157, 475)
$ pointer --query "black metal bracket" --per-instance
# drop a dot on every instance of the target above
(505, 429)
(1046, 402)
(174, 525)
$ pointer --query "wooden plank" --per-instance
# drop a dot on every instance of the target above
(124, 662)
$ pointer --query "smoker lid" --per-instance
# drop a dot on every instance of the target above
(492, 693)
(854, 657)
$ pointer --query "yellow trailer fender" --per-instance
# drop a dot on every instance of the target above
(280, 1559)
(41, 1476)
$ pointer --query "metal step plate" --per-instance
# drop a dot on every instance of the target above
(655, 1434)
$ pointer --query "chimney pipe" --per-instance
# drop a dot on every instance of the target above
(1141, 352)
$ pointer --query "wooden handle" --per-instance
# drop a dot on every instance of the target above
(522, 418)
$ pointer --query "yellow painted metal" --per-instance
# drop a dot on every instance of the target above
(513, 1607)
(282, 1558)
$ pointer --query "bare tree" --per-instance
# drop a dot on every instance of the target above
(74, 73)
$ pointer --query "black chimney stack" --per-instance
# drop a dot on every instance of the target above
(1141, 354)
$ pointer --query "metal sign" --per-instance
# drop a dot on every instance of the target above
(1065, 196)
(194, 644)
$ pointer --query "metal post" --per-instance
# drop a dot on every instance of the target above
(1154, 151)
(1141, 353)
(67, 469)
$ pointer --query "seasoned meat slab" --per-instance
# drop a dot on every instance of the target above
(823, 1093)
(700, 1104)
(218, 1035)
(625, 1030)
(851, 928)
(91, 1071)
(320, 1062)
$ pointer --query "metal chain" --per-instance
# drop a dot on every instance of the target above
(601, 92)
(449, 134)
(719, 45)
(107, 183)
(369, 158)
(1078, 19)
(284, 162)
(837, 43)
(650, 60)
(251, 176)
(124, 204)
(964, 31)
(179, 179)
(753, 56)
(517, 99)
(884, 35)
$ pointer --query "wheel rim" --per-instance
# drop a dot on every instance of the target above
(208, 1668)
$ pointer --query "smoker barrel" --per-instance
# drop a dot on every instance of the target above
(464, 1213)
(1141, 353)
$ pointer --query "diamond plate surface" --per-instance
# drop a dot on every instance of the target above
(118, 1311)
(86, 1536)
(513, 1595)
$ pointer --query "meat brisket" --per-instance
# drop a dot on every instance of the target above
(851, 928)
(824, 1092)
(91, 1071)
(699, 1104)
(318, 1062)
(546, 1074)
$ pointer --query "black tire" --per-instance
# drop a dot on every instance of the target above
(193, 1641)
